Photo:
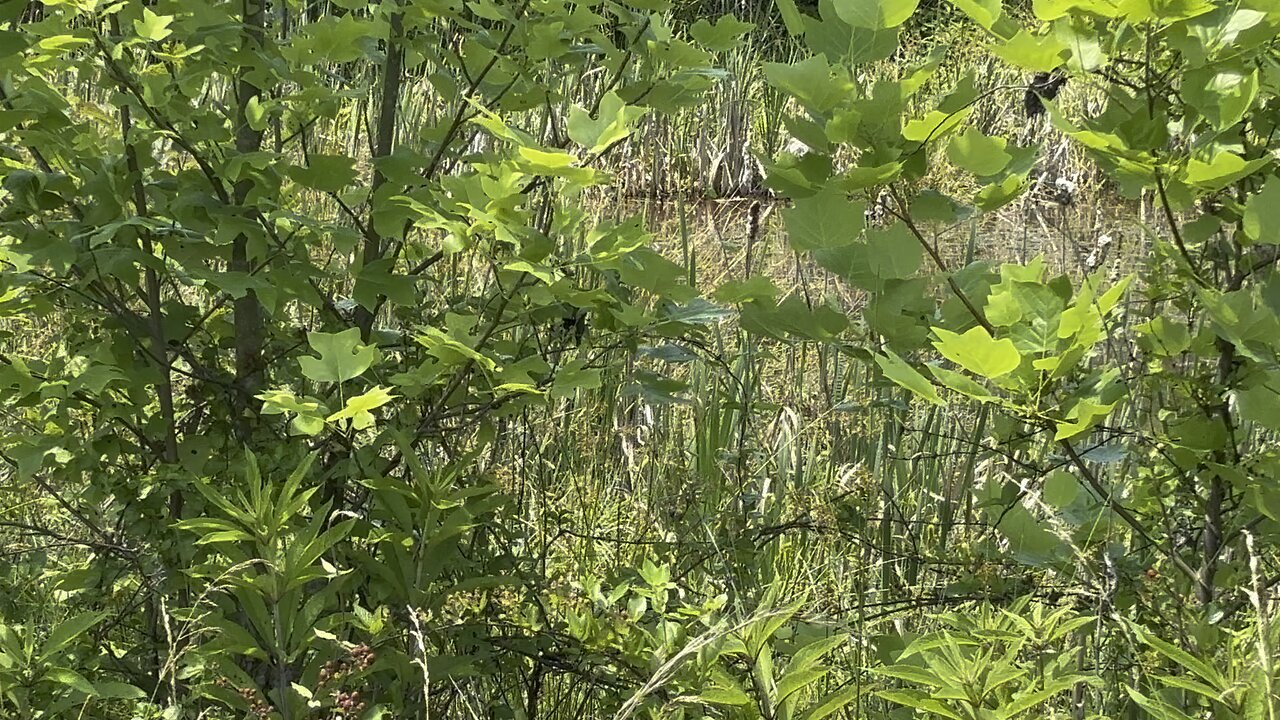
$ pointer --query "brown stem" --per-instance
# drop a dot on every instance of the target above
(905, 217)
(1177, 232)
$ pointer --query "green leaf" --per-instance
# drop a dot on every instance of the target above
(326, 173)
(1086, 413)
(152, 26)
(614, 121)
(935, 125)
(1221, 169)
(1158, 709)
(256, 114)
(1222, 95)
(1262, 213)
(724, 35)
(359, 408)
(378, 280)
(1061, 488)
(978, 352)
(830, 703)
(962, 384)
(66, 633)
(813, 82)
(875, 14)
(342, 356)
(997, 195)
(825, 220)
(1260, 403)
(756, 287)
(791, 17)
(794, 681)
(12, 43)
(72, 679)
(983, 12)
(979, 154)
(894, 252)
(118, 690)
(1032, 52)
(897, 370)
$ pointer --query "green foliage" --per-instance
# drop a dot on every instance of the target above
(313, 324)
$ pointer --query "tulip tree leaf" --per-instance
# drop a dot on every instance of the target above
(342, 356)
(359, 409)
(828, 219)
(979, 154)
(875, 14)
(978, 352)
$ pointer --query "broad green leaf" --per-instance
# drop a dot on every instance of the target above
(756, 287)
(152, 26)
(1158, 709)
(792, 18)
(828, 219)
(118, 690)
(920, 701)
(998, 194)
(962, 384)
(874, 14)
(614, 121)
(977, 153)
(66, 633)
(1085, 414)
(1220, 169)
(894, 252)
(1222, 95)
(326, 173)
(983, 12)
(1030, 541)
(342, 356)
(978, 352)
(934, 126)
(1047, 10)
(813, 82)
(830, 704)
(12, 43)
(912, 674)
(359, 409)
(1060, 488)
(794, 681)
(1262, 213)
(1040, 53)
(1260, 402)
(72, 679)
(724, 34)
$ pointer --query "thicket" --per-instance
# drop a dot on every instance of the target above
(339, 381)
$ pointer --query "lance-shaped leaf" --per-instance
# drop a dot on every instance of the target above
(897, 370)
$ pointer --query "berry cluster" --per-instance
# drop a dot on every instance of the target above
(360, 658)
(350, 703)
(258, 705)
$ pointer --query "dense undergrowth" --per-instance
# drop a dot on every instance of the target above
(407, 360)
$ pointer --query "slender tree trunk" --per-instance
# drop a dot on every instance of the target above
(1213, 514)
(388, 111)
(247, 309)
(161, 356)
